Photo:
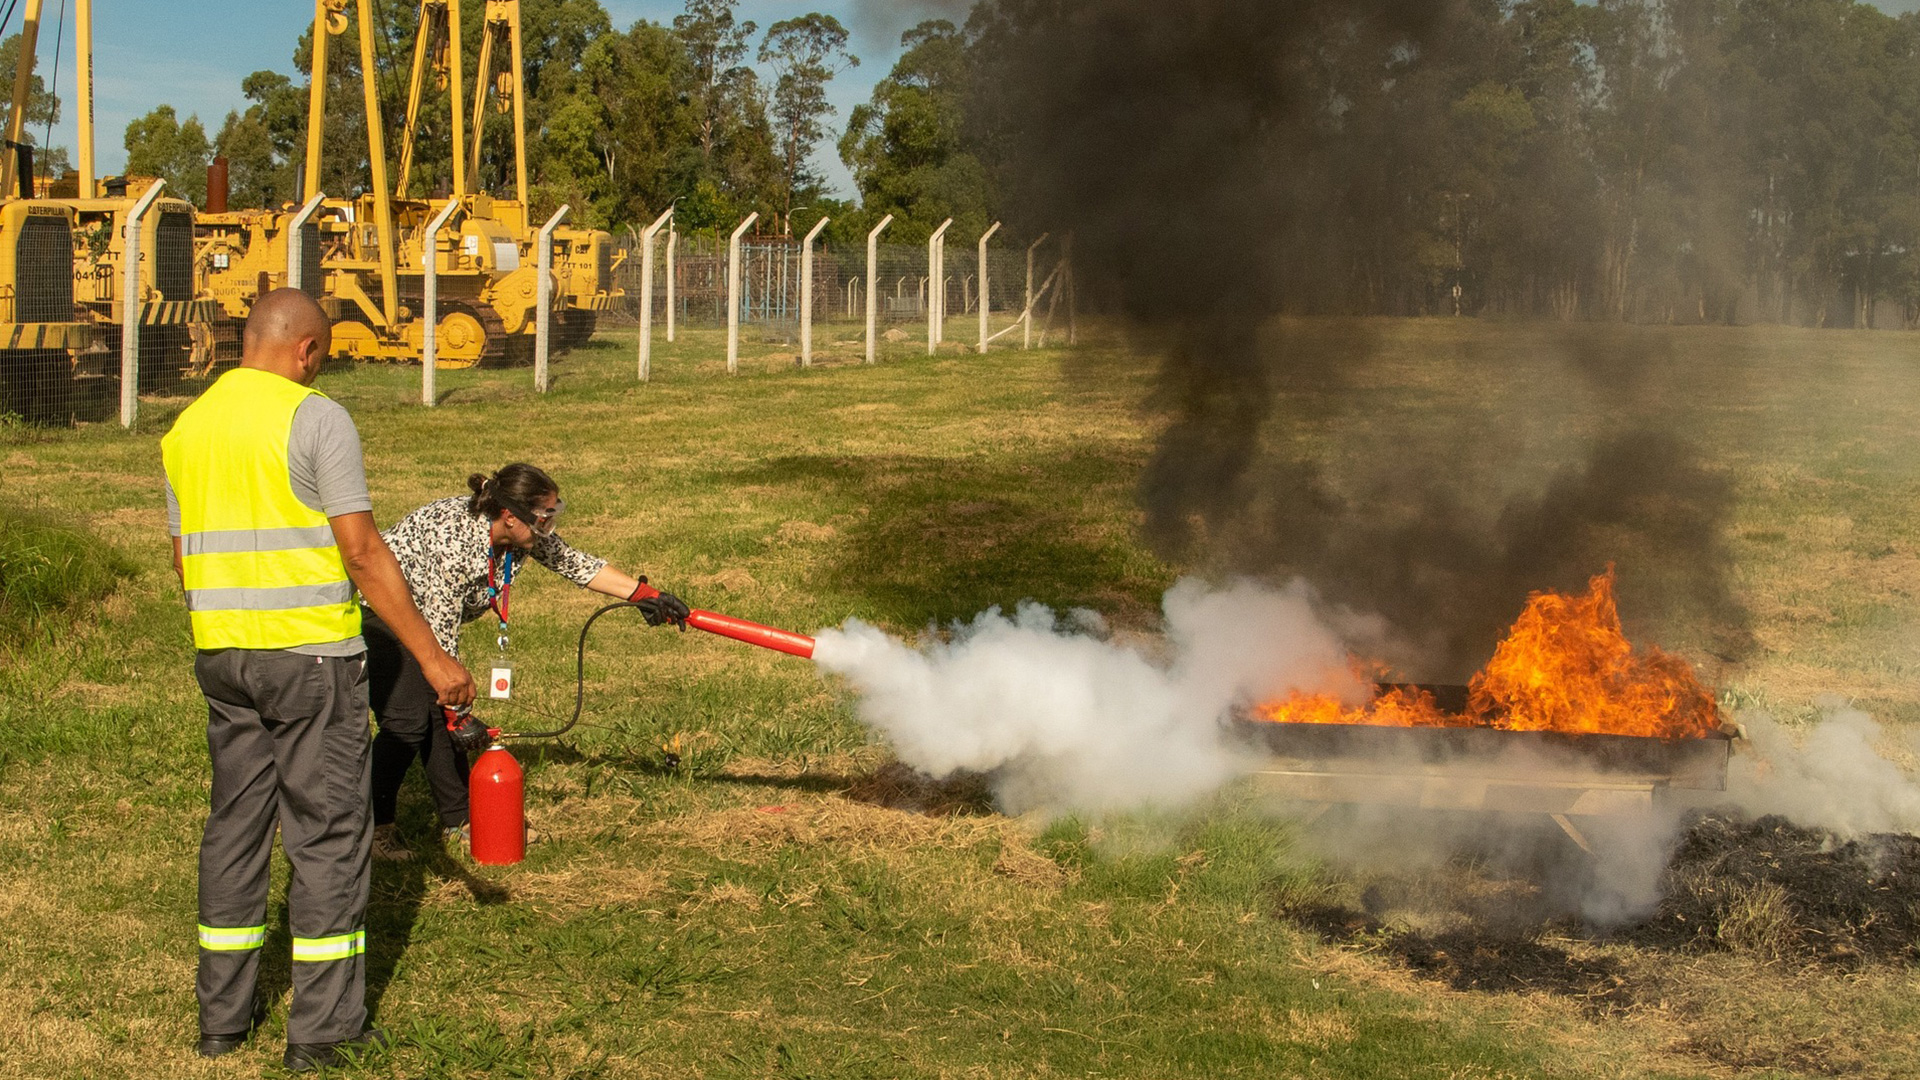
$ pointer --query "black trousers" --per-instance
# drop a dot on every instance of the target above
(411, 726)
(288, 736)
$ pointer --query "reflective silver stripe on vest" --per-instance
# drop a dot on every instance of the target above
(226, 541)
(281, 599)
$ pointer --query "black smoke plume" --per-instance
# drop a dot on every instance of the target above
(1219, 163)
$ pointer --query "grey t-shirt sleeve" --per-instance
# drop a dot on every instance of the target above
(173, 509)
(323, 459)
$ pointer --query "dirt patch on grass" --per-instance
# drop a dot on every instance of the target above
(587, 887)
(1020, 863)
(836, 822)
(805, 532)
(1763, 888)
(1742, 1049)
(899, 787)
(732, 579)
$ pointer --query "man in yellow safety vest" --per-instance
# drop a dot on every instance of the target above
(272, 532)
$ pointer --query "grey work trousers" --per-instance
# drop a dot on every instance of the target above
(288, 737)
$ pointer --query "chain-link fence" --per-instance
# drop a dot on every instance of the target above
(54, 386)
(693, 285)
(912, 314)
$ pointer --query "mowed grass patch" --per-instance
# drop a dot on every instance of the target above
(742, 915)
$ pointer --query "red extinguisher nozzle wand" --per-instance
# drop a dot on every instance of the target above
(753, 633)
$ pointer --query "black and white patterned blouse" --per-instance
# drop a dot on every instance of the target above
(443, 551)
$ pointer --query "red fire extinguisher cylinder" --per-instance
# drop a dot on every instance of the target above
(497, 805)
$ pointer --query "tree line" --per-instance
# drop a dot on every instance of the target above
(1646, 160)
(1643, 160)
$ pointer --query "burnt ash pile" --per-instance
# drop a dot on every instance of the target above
(1506, 942)
(1765, 888)
(1793, 892)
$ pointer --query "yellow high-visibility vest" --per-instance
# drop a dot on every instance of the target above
(262, 569)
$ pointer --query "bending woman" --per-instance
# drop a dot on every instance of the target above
(460, 556)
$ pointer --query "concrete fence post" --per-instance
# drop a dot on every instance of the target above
(130, 307)
(297, 243)
(936, 284)
(430, 303)
(733, 292)
(806, 293)
(984, 293)
(873, 279)
(673, 243)
(1026, 312)
(646, 294)
(543, 296)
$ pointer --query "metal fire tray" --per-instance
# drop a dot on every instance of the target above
(1471, 768)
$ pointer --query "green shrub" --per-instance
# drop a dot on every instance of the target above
(46, 571)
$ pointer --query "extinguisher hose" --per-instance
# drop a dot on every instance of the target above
(752, 633)
(580, 680)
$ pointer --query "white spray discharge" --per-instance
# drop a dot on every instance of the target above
(1833, 778)
(1068, 721)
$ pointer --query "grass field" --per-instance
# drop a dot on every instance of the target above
(750, 914)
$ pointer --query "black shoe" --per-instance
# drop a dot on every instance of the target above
(304, 1056)
(212, 1046)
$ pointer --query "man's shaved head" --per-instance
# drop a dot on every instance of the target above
(287, 334)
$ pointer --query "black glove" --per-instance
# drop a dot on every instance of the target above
(665, 608)
(659, 607)
(468, 735)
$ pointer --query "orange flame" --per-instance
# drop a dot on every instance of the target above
(1565, 666)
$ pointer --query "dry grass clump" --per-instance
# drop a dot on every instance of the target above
(590, 885)
(1018, 862)
(1759, 920)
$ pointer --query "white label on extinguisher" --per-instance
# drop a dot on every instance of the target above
(501, 685)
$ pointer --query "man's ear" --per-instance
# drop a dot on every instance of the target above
(312, 354)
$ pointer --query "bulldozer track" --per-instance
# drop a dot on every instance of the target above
(576, 327)
(496, 347)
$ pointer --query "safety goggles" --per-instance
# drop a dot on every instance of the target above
(540, 521)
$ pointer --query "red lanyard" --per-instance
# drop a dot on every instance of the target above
(497, 595)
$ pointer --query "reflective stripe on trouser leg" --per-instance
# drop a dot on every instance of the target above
(232, 938)
(334, 947)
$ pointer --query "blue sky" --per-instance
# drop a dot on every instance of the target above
(192, 56)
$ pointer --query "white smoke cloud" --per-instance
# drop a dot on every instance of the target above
(1834, 778)
(1065, 720)
(1068, 721)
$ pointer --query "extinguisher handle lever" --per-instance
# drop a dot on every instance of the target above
(468, 734)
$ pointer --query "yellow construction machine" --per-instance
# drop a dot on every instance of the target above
(583, 259)
(487, 290)
(239, 255)
(171, 306)
(364, 254)
(360, 256)
(40, 331)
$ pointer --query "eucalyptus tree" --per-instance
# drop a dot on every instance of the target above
(805, 53)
